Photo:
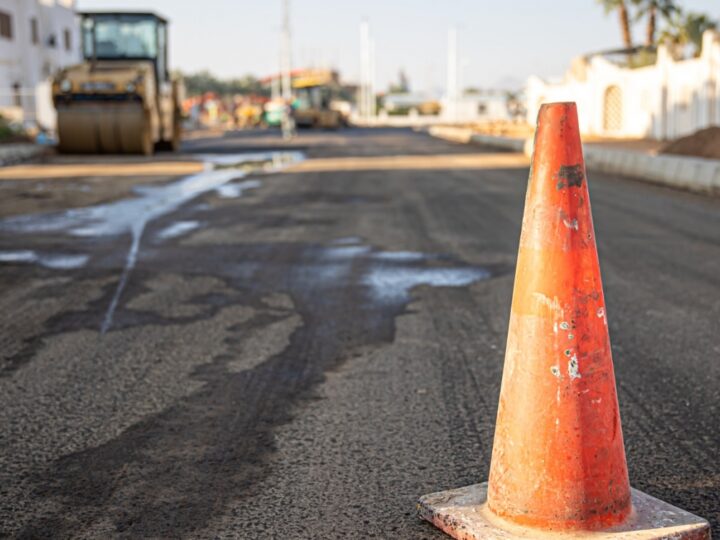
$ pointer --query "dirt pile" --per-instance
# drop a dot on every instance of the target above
(704, 143)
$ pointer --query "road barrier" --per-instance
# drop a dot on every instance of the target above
(558, 463)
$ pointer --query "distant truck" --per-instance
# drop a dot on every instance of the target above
(121, 99)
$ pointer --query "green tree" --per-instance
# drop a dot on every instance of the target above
(204, 81)
(621, 8)
(695, 26)
(650, 9)
(684, 29)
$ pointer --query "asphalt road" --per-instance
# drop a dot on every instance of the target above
(301, 352)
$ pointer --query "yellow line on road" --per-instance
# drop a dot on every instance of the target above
(180, 168)
(59, 171)
(443, 161)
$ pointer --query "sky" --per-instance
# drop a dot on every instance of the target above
(500, 43)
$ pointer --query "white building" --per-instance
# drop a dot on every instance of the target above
(37, 37)
(483, 106)
(666, 100)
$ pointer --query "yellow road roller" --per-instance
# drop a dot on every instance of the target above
(316, 91)
(121, 98)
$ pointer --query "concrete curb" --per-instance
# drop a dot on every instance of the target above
(691, 173)
(465, 135)
(450, 133)
(16, 153)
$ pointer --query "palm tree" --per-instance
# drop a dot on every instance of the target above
(686, 28)
(695, 26)
(651, 9)
(624, 17)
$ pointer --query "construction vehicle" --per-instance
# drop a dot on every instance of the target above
(315, 97)
(121, 98)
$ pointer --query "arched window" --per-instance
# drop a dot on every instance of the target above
(612, 109)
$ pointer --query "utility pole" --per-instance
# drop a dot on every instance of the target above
(288, 126)
(275, 92)
(364, 97)
(285, 62)
(452, 74)
(372, 102)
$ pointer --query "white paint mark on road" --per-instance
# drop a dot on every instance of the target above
(178, 229)
(130, 261)
(233, 191)
(347, 240)
(393, 284)
(22, 256)
(54, 261)
(345, 252)
(63, 262)
(401, 256)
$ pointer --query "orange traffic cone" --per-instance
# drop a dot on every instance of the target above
(558, 464)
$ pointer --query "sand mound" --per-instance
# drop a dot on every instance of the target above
(704, 143)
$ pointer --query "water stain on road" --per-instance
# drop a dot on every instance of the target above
(233, 191)
(178, 228)
(152, 202)
(55, 261)
(220, 438)
(155, 477)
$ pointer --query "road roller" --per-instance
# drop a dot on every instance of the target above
(121, 98)
(316, 91)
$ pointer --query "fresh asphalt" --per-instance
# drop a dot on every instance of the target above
(307, 357)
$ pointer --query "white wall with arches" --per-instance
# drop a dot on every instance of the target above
(668, 99)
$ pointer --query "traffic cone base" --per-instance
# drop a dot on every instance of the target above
(463, 514)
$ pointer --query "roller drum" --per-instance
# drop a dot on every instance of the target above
(104, 128)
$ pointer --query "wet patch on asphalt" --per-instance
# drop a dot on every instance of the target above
(233, 191)
(154, 478)
(56, 261)
(178, 228)
(152, 202)
(219, 439)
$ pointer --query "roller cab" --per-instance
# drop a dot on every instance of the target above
(121, 99)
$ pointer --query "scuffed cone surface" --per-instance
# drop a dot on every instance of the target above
(558, 456)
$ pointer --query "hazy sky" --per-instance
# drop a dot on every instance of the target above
(500, 42)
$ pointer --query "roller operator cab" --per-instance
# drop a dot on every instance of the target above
(121, 98)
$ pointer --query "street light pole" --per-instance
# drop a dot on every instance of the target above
(288, 127)
(452, 74)
(371, 81)
(285, 61)
(363, 99)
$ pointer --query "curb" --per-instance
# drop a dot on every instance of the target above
(691, 173)
(17, 153)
